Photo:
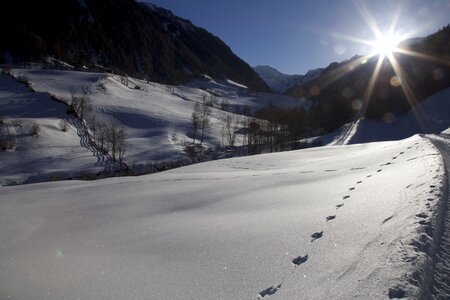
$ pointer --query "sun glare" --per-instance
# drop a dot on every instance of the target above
(385, 45)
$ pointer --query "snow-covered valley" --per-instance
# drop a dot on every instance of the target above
(364, 221)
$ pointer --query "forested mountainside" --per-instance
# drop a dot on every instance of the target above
(124, 36)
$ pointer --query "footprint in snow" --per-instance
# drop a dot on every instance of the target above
(329, 218)
(359, 181)
(378, 171)
(346, 197)
(339, 205)
(422, 215)
(316, 235)
(351, 189)
(269, 291)
(368, 176)
(299, 260)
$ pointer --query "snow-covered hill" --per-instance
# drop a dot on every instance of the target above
(280, 82)
(157, 119)
(342, 222)
(428, 116)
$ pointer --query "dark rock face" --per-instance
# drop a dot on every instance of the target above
(119, 35)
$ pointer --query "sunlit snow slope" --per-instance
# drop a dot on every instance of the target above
(338, 222)
(157, 119)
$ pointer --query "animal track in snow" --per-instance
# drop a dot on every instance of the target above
(269, 291)
(396, 292)
(329, 218)
(368, 176)
(351, 189)
(346, 197)
(387, 219)
(339, 205)
(359, 181)
(299, 260)
(378, 171)
(316, 235)
(422, 215)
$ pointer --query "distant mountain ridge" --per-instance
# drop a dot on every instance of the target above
(280, 82)
(121, 35)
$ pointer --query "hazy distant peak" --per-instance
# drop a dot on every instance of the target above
(280, 82)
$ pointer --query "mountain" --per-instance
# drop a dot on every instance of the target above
(122, 36)
(280, 82)
(340, 93)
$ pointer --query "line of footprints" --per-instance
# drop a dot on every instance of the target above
(317, 235)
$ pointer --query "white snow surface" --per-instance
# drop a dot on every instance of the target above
(230, 229)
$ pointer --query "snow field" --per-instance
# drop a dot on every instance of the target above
(326, 223)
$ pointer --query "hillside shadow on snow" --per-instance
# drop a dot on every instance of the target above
(429, 116)
(137, 120)
(18, 101)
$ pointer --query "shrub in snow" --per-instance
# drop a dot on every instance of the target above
(8, 143)
(63, 125)
(35, 129)
(6, 71)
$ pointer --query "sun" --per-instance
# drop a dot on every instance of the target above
(385, 45)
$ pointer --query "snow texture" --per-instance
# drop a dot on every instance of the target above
(240, 228)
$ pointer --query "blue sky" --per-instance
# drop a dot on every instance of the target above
(295, 36)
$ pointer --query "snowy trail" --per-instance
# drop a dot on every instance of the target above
(103, 160)
(440, 288)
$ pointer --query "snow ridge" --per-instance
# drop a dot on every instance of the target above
(439, 286)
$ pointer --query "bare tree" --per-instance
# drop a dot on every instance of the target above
(209, 100)
(101, 135)
(112, 136)
(195, 119)
(81, 105)
(205, 114)
(121, 144)
(230, 124)
(116, 136)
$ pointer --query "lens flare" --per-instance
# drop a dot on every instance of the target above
(385, 45)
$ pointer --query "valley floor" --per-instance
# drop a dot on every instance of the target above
(338, 222)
